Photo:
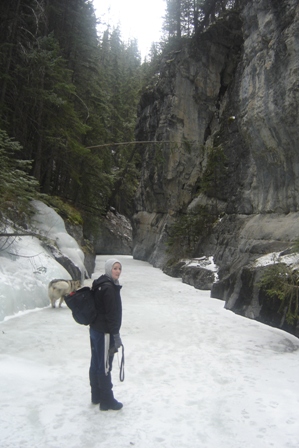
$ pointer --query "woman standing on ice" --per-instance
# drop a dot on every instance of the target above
(104, 335)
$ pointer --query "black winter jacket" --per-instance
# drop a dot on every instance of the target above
(108, 304)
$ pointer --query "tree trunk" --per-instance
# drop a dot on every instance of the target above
(10, 40)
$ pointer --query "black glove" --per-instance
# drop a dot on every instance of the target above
(117, 341)
(112, 351)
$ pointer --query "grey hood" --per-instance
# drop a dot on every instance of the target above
(108, 268)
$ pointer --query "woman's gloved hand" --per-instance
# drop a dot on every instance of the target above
(117, 341)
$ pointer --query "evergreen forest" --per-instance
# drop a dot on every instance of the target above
(68, 102)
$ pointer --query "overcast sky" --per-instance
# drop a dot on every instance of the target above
(137, 19)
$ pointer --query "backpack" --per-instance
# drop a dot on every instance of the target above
(82, 305)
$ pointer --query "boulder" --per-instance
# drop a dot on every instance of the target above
(198, 277)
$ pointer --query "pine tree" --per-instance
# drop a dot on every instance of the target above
(186, 17)
(17, 187)
(172, 23)
(64, 92)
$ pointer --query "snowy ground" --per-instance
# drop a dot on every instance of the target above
(197, 375)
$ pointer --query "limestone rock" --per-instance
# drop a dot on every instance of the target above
(115, 235)
(198, 277)
(235, 89)
(200, 273)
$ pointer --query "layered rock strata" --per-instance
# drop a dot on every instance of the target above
(235, 88)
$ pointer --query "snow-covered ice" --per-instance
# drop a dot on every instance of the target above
(52, 225)
(26, 265)
(196, 375)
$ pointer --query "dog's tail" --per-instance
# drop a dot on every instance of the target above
(56, 280)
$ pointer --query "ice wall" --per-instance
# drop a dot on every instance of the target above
(26, 266)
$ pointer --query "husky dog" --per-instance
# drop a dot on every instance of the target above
(59, 288)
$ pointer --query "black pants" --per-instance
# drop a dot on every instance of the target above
(100, 379)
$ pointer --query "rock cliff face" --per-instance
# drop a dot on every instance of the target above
(228, 104)
(115, 235)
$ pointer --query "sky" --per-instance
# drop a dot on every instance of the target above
(196, 375)
(138, 19)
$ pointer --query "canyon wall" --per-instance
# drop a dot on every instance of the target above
(233, 90)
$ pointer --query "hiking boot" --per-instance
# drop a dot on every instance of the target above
(114, 405)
